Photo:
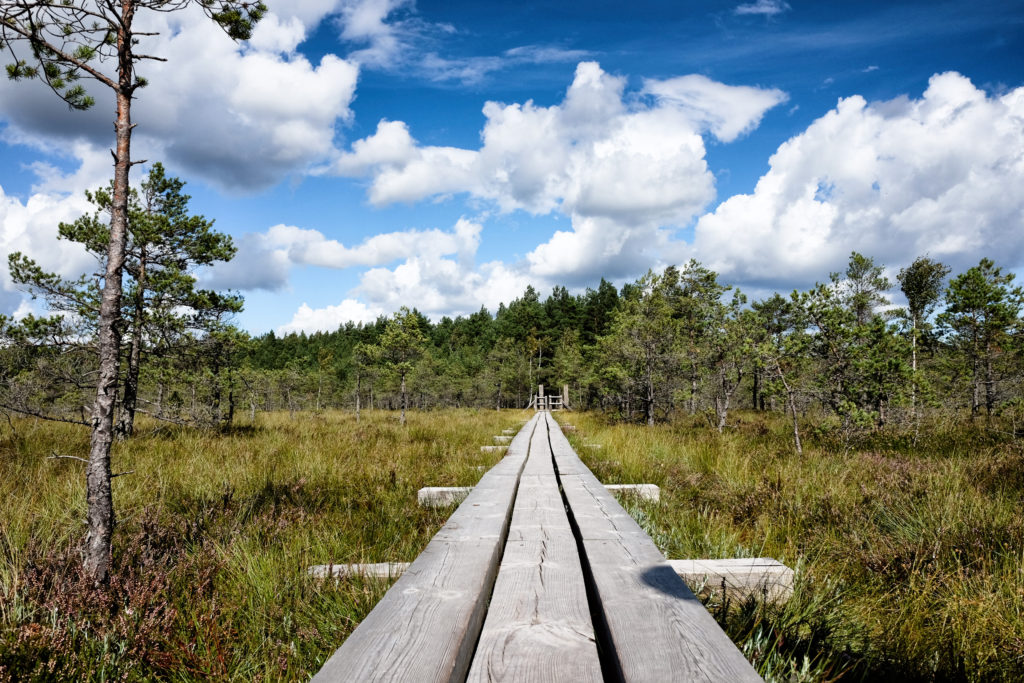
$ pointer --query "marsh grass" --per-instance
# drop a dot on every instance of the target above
(215, 532)
(910, 558)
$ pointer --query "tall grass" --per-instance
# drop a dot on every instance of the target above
(910, 557)
(215, 532)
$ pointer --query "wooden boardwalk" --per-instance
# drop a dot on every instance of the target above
(539, 575)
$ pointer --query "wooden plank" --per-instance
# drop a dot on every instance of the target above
(426, 626)
(373, 570)
(538, 625)
(649, 492)
(657, 628)
(441, 496)
(762, 577)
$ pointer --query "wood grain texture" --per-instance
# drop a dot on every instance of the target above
(375, 570)
(648, 492)
(441, 496)
(657, 628)
(538, 625)
(762, 577)
(511, 544)
(426, 626)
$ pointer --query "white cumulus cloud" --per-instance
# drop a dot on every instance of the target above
(621, 168)
(435, 272)
(728, 111)
(242, 116)
(330, 318)
(939, 175)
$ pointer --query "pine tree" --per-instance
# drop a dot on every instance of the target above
(982, 309)
(66, 41)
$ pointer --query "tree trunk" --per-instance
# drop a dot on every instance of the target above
(792, 408)
(913, 369)
(100, 502)
(126, 421)
(649, 381)
(403, 398)
(231, 397)
(796, 423)
(693, 388)
(357, 396)
(990, 386)
(756, 388)
(723, 401)
(498, 407)
(215, 398)
(975, 389)
(319, 388)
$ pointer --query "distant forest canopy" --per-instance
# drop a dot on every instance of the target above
(670, 342)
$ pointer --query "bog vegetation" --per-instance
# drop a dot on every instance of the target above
(875, 448)
(908, 554)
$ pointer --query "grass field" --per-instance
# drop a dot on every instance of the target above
(215, 534)
(909, 557)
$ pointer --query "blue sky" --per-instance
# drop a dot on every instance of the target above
(366, 154)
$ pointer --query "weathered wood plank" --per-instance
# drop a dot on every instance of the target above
(538, 625)
(649, 492)
(441, 496)
(762, 577)
(657, 628)
(426, 626)
(373, 570)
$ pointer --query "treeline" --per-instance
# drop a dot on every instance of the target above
(679, 341)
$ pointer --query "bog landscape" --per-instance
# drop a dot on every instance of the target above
(779, 437)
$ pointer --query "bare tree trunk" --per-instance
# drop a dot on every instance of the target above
(792, 408)
(723, 401)
(990, 386)
(319, 387)
(404, 398)
(693, 389)
(913, 380)
(126, 421)
(498, 406)
(215, 370)
(100, 502)
(357, 396)
(975, 389)
(796, 423)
